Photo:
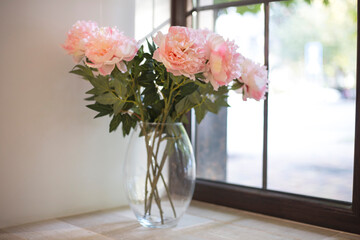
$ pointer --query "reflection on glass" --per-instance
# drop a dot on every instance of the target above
(312, 98)
(161, 11)
(143, 18)
(234, 153)
(150, 15)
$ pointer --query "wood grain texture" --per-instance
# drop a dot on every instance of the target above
(202, 221)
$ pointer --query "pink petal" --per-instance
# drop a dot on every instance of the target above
(92, 65)
(106, 69)
(121, 66)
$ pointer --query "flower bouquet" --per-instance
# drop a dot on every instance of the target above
(152, 91)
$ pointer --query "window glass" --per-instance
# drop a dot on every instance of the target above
(143, 18)
(312, 98)
(232, 150)
(151, 15)
(161, 11)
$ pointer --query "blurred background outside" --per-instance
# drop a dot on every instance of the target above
(311, 115)
(311, 103)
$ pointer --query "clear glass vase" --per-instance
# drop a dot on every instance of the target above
(159, 173)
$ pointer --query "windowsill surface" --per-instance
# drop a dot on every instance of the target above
(202, 221)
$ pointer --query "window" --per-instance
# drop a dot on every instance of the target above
(303, 165)
(151, 16)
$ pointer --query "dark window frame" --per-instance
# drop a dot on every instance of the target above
(317, 211)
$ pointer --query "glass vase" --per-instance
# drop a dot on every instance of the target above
(159, 173)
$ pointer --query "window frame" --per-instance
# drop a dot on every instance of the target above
(317, 211)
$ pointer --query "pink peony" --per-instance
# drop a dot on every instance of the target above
(224, 63)
(108, 47)
(255, 80)
(77, 38)
(182, 51)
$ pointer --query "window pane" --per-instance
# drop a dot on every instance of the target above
(206, 2)
(312, 98)
(206, 19)
(143, 18)
(150, 15)
(232, 151)
(161, 11)
(190, 21)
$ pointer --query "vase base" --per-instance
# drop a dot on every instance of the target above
(155, 222)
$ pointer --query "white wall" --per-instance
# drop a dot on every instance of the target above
(55, 160)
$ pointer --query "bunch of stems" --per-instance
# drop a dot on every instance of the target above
(154, 166)
(154, 170)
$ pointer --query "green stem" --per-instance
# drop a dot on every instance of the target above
(157, 196)
(166, 188)
(168, 193)
(157, 170)
(156, 178)
(147, 172)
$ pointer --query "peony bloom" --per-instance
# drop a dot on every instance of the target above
(224, 63)
(77, 38)
(182, 51)
(255, 80)
(108, 47)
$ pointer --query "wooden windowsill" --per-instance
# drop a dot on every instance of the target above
(202, 221)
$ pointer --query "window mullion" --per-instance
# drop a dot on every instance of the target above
(356, 177)
(266, 63)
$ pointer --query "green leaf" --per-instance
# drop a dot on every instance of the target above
(255, 8)
(176, 79)
(115, 121)
(151, 47)
(221, 91)
(200, 112)
(127, 123)
(195, 98)
(120, 88)
(100, 115)
(147, 78)
(150, 95)
(102, 109)
(200, 75)
(92, 91)
(287, 3)
(92, 98)
(141, 51)
(83, 71)
(237, 85)
(117, 74)
(101, 84)
(184, 119)
(118, 106)
(221, 101)
(106, 98)
(129, 105)
(184, 105)
(211, 106)
(78, 72)
(188, 88)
